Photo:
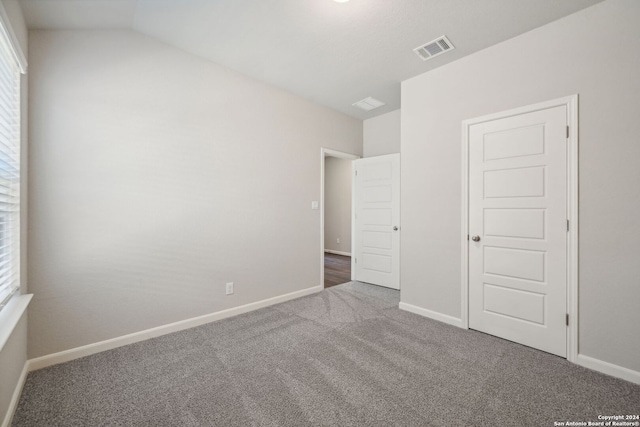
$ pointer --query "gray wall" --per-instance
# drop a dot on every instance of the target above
(156, 178)
(13, 354)
(337, 204)
(594, 53)
(381, 134)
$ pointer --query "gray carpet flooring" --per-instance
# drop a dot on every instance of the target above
(344, 357)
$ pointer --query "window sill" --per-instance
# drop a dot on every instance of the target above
(11, 315)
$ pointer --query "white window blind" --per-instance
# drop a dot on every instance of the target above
(9, 167)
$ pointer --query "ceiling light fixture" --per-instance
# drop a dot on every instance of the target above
(340, 1)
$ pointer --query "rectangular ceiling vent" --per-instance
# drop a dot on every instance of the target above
(434, 48)
(369, 104)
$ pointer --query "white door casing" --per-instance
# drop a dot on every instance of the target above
(517, 196)
(377, 220)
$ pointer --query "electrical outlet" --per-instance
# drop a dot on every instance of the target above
(229, 288)
(338, 240)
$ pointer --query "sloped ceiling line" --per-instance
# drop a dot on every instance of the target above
(332, 53)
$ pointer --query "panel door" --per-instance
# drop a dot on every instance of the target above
(377, 220)
(518, 215)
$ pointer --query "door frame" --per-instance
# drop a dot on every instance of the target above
(571, 104)
(327, 152)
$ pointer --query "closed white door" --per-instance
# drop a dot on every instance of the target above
(518, 228)
(377, 220)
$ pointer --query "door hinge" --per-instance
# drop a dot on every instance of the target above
(467, 237)
(356, 173)
(567, 225)
(356, 260)
(567, 131)
(567, 319)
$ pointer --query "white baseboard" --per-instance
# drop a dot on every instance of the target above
(337, 252)
(86, 350)
(431, 314)
(608, 368)
(582, 360)
(15, 398)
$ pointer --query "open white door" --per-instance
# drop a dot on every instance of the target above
(518, 228)
(377, 220)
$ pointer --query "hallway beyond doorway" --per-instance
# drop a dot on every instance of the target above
(337, 269)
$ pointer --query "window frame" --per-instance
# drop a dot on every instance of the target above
(13, 66)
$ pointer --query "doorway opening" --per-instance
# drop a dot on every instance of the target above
(337, 269)
(336, 217)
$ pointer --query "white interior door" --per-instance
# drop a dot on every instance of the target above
(377, 220)
(518, 228)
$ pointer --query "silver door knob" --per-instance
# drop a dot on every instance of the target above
(476, 238)
(395, 228)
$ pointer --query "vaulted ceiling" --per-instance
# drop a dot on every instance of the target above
(332, 53)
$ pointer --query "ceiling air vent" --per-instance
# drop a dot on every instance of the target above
(369, 104)
(434, 48)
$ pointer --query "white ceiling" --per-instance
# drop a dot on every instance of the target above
(331, 53)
